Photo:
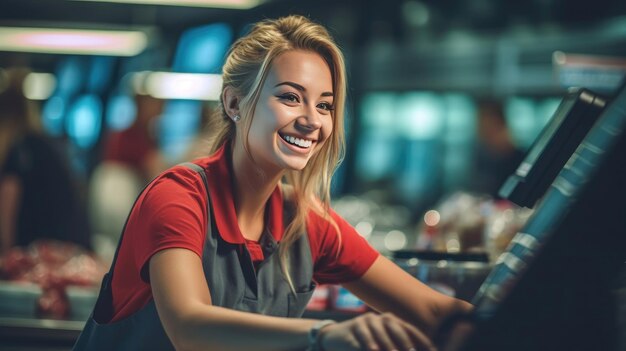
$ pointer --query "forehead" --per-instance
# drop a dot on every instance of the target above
(306, 68)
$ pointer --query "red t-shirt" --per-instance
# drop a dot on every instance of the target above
(172, 213)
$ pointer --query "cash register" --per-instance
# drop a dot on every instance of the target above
(558, 285)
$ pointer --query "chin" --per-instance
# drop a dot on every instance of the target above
(295, 166)
(291, 162)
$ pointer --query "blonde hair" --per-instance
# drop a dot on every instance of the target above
(245, 71)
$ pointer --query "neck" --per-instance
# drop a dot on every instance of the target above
(252, 188)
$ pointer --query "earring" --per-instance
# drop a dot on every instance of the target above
(236, 118)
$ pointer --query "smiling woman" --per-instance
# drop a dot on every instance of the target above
(225, 252)
(292, 119)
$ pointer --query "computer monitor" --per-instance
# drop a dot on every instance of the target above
(553, 288)
(577, 112)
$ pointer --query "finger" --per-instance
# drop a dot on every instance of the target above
(397, 332)
(364, 336)
(381, 334)
(419, 340)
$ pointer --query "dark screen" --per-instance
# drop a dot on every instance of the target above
(553, 288)
(576, 114)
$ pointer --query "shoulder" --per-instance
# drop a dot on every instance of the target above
(324, 217)
(340, 253)
(179, 183)
(326, 228)
(171, 212)
(179, 176)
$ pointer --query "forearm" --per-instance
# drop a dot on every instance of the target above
(192, 322)
(410, 307)
(387, 288)
(217, 328)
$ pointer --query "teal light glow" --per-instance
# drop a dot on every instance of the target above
(520, 116)
(203, 49)
(378, 155)
(378, 110)
(178, 126)
(52, 115)
(460, 122)
(420, 116)
(84, 121)
(71, 75)
(121, 112)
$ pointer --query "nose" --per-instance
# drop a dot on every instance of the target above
(310, 121)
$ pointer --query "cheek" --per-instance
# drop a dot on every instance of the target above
(327, 128)
(274, 116)
(263, 122)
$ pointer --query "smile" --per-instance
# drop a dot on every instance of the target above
(301, 143)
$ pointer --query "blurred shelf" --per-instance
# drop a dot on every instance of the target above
(49, 334)
(38, 334)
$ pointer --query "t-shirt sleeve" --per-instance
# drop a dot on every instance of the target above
(338, 257)
(172, 214)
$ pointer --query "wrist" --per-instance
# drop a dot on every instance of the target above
(314, 334)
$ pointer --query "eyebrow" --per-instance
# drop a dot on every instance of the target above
(301, 88)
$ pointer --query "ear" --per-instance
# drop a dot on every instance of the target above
(230, 101)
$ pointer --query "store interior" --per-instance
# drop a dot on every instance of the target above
(445, 101)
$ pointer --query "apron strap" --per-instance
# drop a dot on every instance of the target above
(103, 311)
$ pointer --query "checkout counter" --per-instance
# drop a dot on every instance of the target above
(560, 285)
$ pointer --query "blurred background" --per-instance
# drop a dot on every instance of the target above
(444, 97)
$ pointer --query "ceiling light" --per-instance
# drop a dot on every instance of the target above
(183, 86)
(39, 86)
(230, 4)
(72, 41)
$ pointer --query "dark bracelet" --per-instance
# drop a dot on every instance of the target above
(314, 333)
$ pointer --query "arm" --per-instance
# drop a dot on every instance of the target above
(10, 193)
(183, 301)
(388, 288)
(184, 305)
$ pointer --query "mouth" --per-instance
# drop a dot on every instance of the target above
(302, 143)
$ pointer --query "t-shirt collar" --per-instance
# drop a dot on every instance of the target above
(221, 191)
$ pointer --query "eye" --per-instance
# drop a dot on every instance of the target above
(325, 106)
(290, 97)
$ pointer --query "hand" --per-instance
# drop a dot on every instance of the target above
(454, 333)
(374, 332)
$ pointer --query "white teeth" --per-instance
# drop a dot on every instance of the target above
(297, 141)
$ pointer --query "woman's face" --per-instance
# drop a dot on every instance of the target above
(293, 117)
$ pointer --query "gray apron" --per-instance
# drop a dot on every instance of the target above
(233, 282)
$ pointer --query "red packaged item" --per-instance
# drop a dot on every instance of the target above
(53, 266)
(320, 299)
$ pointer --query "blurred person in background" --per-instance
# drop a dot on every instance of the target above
(136, 147)
(497, 156)
(39, 195)
(224, 253)
(131, 158)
